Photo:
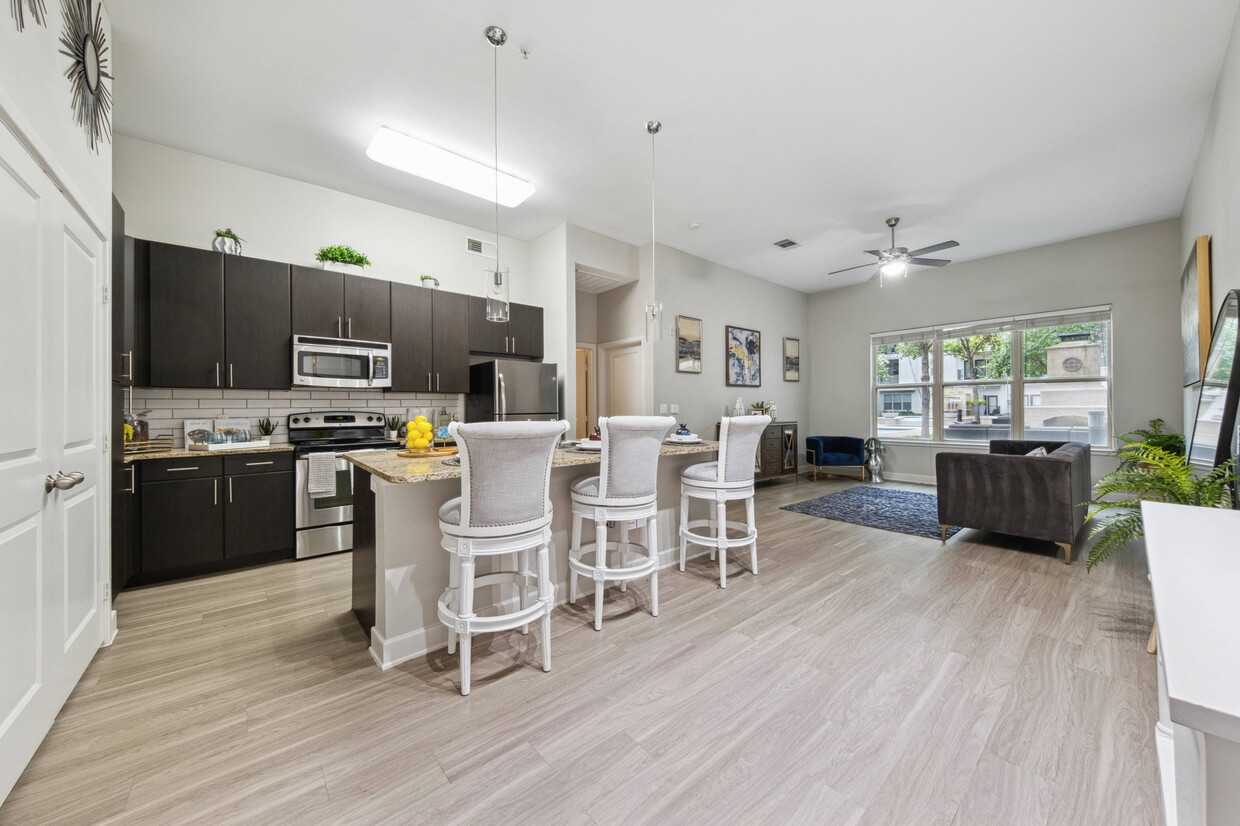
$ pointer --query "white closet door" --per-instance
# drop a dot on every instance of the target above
(50, 421)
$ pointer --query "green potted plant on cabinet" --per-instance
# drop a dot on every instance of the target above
(227, 241)
(342, 258)
(265, 428)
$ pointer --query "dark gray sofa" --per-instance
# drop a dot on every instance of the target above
(1008, 492)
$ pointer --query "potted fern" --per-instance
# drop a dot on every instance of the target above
(342, 258)
(1156, 436)
(1159, 474)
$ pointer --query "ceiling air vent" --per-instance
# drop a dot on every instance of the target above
(478, 247)
(787, 244)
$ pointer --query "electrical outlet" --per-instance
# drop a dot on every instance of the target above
(675, 408)
(662, 408)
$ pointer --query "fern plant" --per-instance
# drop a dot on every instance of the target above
(1158, 474)
(1156, 436)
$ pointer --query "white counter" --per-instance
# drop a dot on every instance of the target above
(1194, 559)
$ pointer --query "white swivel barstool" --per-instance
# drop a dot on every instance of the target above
(625, 490)
(720, 482)
(504, 508)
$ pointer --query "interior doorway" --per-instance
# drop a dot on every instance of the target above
(587, 393)
(621, 382)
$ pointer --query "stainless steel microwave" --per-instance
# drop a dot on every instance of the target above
(341, 362)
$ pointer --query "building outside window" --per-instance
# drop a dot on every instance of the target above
(1042, 377)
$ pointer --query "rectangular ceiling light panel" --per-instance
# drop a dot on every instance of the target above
(448, 168)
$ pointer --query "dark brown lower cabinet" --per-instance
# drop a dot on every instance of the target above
(230, 513)
(182, 524)
(258, 515)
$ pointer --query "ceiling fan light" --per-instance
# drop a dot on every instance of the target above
(893, 268)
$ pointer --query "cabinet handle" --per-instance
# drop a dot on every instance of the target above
(436, 382)
(175, 469)
(127, 374)
(255, 464)
(132, 477)
(505, 344)
(514, 344)
(428, 382)
(230, 490)
(350, 333)
(215, 491)
(230, 379)
(339, 333)
(217, 374)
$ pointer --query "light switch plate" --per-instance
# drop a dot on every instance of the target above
(675, 408)
(662, 408)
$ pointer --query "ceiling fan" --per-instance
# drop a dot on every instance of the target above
(895, 260)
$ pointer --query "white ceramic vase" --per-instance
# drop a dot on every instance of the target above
(228, 246)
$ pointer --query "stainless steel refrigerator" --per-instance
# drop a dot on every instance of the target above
(507, 390)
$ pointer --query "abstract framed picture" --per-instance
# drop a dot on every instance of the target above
(743, 357)
(1195, 310)
(688, 344)
(792, 359)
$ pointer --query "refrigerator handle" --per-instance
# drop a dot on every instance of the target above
(503, 398)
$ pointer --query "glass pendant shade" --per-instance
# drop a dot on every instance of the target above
(497, 294)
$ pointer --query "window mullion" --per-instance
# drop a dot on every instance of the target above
(936, 390)
(1017, 369)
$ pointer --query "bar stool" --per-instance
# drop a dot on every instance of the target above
(729, 478)
(625, 490)
(504, 508)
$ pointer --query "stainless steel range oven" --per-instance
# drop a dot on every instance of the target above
(325, 517)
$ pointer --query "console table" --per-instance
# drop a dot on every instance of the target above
(777, 454)
(1195, 573)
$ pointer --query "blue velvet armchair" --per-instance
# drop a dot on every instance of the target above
(835, 452)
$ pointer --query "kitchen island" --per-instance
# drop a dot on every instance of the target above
(399, 570)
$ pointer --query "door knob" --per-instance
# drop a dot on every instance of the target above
(62, 481)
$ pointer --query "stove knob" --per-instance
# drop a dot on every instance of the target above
(370, 418)
(295, 420)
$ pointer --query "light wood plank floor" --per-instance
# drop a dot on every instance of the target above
(864, 677)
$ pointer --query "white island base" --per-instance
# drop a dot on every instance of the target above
(399, 570)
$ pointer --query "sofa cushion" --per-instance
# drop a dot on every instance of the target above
(1038, 451)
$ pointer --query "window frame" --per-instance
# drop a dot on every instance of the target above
(1016, 326)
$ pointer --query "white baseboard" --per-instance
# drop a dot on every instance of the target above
(113, 628)
(912, 478)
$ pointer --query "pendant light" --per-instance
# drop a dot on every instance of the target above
(654, 309)
(497, 285)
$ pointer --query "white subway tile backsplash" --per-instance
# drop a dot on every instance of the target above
(154, 392)
(192, 393)
(285, 394)
(245, 394)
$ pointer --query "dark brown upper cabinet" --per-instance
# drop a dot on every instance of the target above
(257, 326)
(187, 317)
(336, 305)
(430, 340)
(520, 337)
(525, 330)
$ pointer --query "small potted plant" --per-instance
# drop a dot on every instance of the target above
(266, 427)
(430, 282)
(341, 258)
(392, 423)
(227, 241)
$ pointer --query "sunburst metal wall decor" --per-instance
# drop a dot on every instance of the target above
(38, 12)
(87, 46)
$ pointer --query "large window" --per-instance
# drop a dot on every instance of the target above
(1059, 389)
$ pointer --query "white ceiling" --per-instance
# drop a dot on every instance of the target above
(1000, 125)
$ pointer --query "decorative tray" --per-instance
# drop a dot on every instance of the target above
(428, 453)
(257, 444)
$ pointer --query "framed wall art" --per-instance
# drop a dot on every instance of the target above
(792, 359)
(1195, 310)
(743, 357)
(688, 344)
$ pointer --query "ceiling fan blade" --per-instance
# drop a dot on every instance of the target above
(846, 269)
(877, 274)
(946, 245)
(929, 262)
(873, 252)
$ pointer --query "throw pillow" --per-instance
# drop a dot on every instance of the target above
(1037, 451)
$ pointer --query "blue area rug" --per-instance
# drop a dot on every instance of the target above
(902, 511)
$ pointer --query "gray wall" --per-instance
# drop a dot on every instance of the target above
(587, 318)
(1212, 206)
(720, 296)
(1135, 270)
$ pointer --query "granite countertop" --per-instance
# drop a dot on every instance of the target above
(185, 453)
(399, 471)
